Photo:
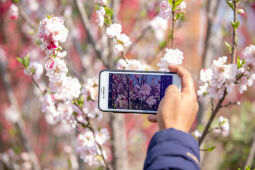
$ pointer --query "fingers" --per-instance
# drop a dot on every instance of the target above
(172, 90)
(187, 81)
(152, 118)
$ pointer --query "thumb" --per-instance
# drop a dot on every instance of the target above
(152, 118)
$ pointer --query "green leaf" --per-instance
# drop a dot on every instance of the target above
(229, 47)
(80, 101)
(230, 4)
(17, 149)
(69, 163)
(26, 61)
(162, 44)
(20, 60)
(247, 168)
(49, 16)
(100, 168)
(235, 24)
(179, 16)
(108, 11)
(211, 149)
(177, 2)
(240, 62)
(170, 2)
(15, 1)
(12, 132)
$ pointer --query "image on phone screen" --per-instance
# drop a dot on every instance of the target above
(137, 91)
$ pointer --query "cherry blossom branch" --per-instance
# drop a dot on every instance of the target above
(36, 84)
(20, 123)
(229, 104)
(173, 23)
(123, 56)
(139, 38)
(89, 125)
(214, 113)
(26, 18)
(211, 9)
(234, 43)
(86, 25)
(34, 26)
(212, 129)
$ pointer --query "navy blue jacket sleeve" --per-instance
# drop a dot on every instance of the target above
(172, 149)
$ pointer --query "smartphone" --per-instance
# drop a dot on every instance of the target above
(127, 91)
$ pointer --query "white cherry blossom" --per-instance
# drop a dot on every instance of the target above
(171, 57)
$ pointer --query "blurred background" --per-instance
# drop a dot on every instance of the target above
(27, 137)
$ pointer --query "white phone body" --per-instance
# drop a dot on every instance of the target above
(107, 100)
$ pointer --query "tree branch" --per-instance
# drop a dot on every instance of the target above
(173, 23)
(20, 124)
(234, 44)
(87, 27)
(139, 38)
(214, 113)
(211, 9)
(251, 154)
(26, 18)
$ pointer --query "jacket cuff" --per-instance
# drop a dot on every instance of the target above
(189, 147)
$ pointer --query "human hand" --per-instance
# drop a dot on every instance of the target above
(177, 109)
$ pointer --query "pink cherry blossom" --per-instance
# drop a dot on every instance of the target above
(13, 12)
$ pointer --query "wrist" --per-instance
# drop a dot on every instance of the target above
(176, 126)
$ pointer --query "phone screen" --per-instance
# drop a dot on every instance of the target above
(137, 91)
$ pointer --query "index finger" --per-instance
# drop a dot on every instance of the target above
(186, 79)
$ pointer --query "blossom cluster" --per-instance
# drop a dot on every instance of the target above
(66, 101)
(248, 69)
(51, 32)
(120, 40)
(12, 160)
(114, 30)
(221, 76)
(197, 134)
(171, 57)
(132, 64)
(100, 16)
(223, 126)
(86, 147)
(159, 26)
(34, 69)
(166, 8)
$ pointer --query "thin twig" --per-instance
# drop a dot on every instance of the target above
(86, 25)
(26, 18)
(252, 152)
(229, 104)
(211, 13)
(123, 56)
(214, 113)
(173, 22)
(212, 106)
(212, 129)
(139, 38)
(234, 43)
